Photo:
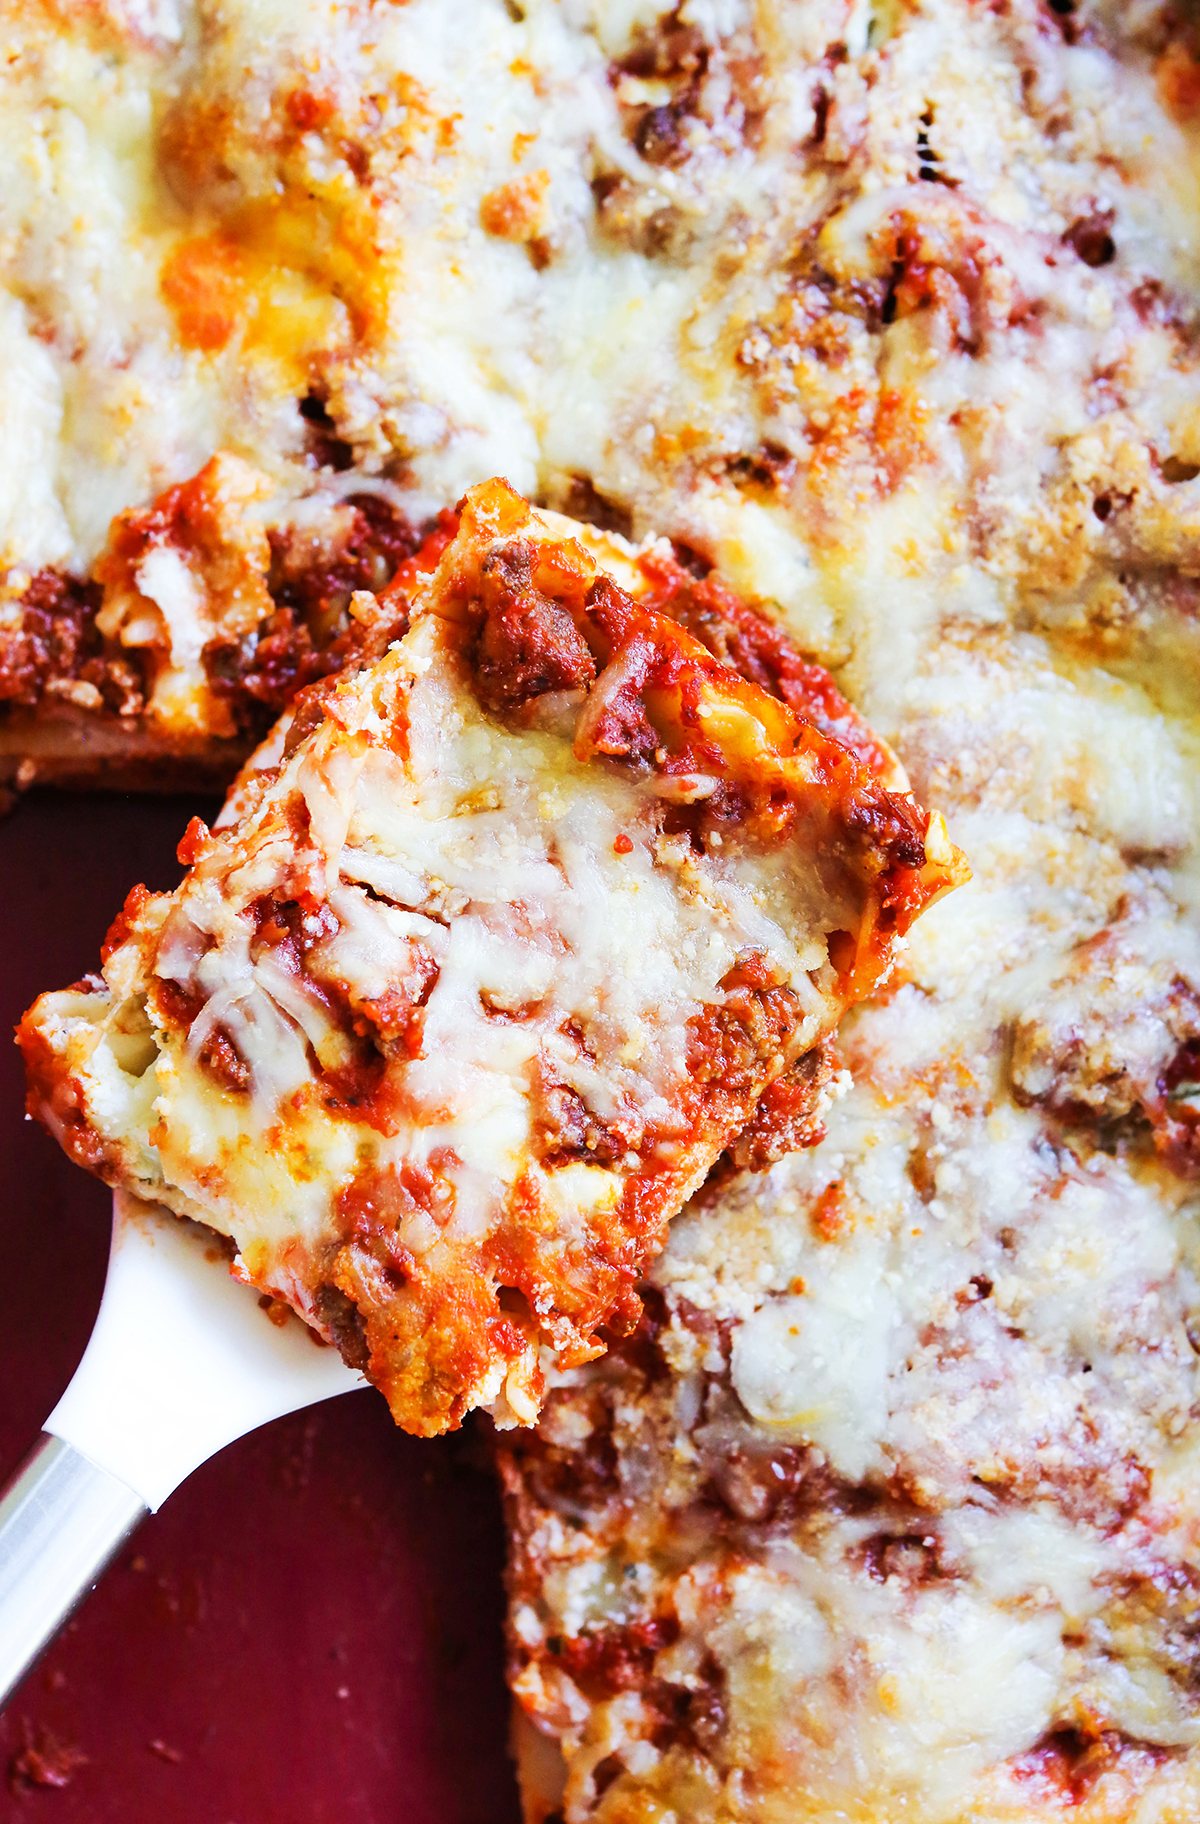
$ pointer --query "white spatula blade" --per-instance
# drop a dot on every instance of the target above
(182, 1360)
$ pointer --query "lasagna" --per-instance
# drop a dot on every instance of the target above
(886, 315)
(503, 941)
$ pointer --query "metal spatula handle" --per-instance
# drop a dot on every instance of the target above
(61, 1522)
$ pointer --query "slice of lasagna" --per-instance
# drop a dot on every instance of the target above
(506, 939)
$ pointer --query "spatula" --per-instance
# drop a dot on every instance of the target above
(181, 1362)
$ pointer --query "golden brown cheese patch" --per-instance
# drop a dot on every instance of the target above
(493, 960)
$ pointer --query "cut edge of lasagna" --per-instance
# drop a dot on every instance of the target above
(512, 933)
(208, 610)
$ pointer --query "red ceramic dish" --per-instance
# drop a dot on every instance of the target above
(311, 1629)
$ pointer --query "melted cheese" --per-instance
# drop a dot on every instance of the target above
(650, 344)
(977, 1318)
(983, 1323)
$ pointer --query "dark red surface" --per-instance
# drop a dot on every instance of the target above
(310, 1630)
